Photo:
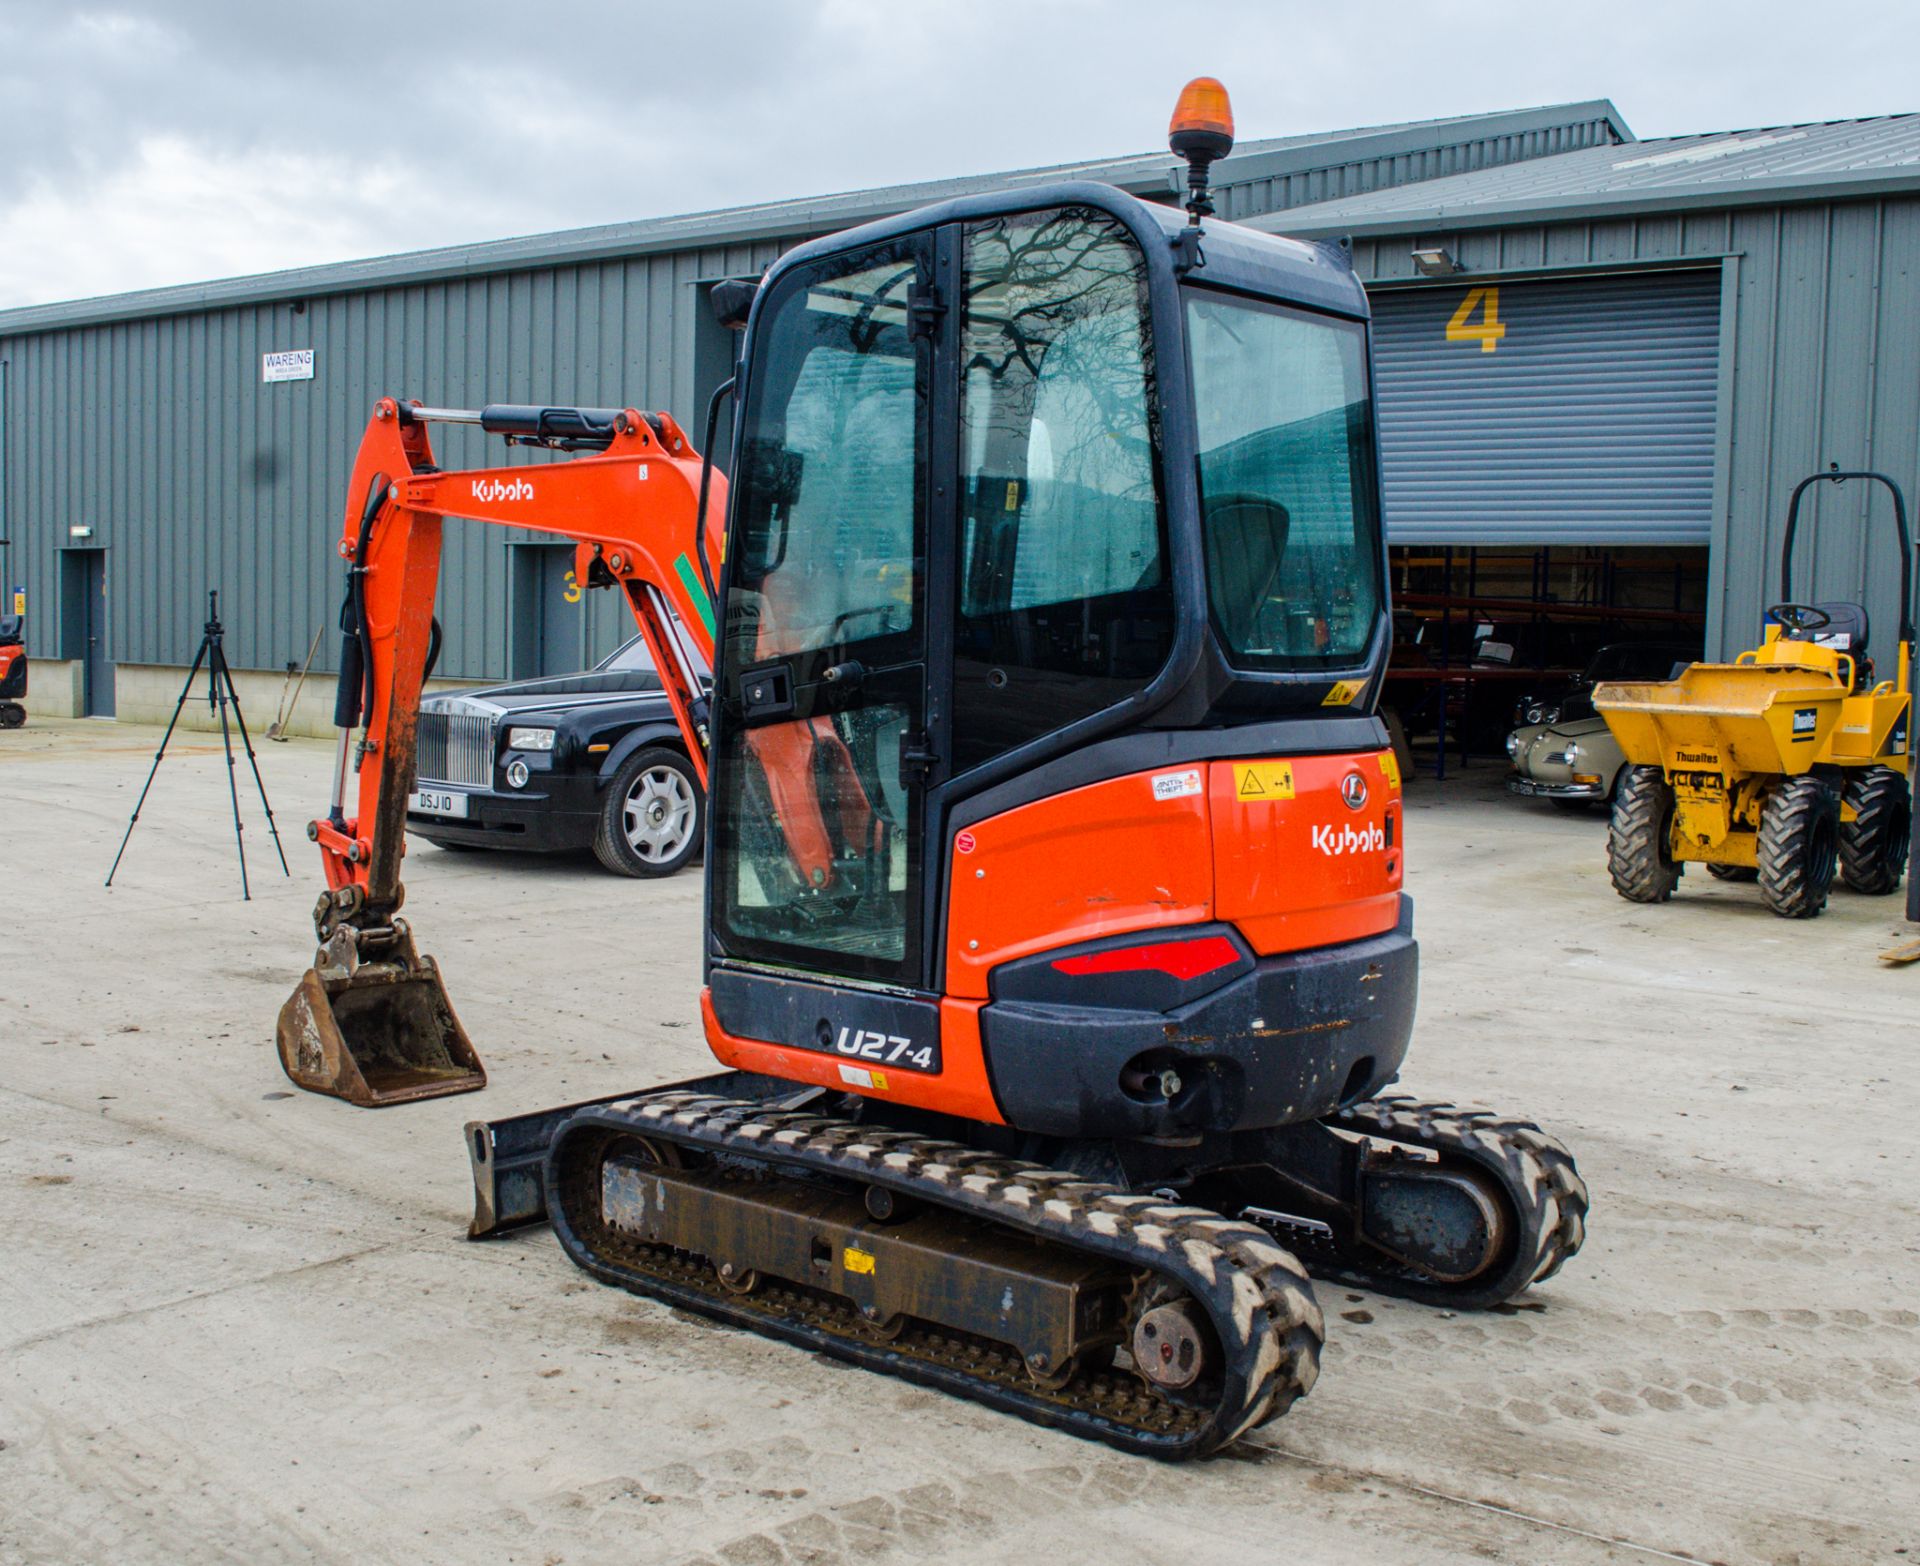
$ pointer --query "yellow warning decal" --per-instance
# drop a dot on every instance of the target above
(1343, 693)
(1263, 780)
(856, 1260)
(1390, 767)
(880, 1080)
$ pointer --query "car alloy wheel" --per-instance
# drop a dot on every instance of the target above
(658, 814)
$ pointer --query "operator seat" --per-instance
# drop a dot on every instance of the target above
(1846, 632)
(1246, 541)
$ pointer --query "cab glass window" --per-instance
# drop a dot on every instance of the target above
(1289, 501)
(1064, 601)
(828, 521)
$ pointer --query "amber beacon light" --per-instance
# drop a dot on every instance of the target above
(1200, 131)
(1202, 125)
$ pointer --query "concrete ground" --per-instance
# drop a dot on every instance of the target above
(238, 1323)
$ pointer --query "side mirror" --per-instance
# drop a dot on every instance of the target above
(732, 300)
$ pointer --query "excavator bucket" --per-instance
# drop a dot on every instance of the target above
(376, 1033)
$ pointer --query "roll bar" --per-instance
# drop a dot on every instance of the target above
(1834, 475)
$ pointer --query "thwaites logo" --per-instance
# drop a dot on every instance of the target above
(1805, 721)
(1335, 842)
(493, 490)
(885, 1049)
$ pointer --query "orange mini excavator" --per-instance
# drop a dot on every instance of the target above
(1056, 950)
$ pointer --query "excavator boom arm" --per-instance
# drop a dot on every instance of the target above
(632, 507)
(370, 1021)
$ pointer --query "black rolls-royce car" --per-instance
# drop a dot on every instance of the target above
(589, 760)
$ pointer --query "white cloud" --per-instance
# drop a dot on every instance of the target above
(179, 211)
(164, 141)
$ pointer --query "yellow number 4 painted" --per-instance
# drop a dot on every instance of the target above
(1490, 329)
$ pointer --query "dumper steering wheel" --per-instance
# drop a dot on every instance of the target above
(1800, 617)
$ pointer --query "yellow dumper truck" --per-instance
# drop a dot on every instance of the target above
(1790, 762)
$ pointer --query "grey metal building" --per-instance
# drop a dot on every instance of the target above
(144, 456)
(1643, 345)
(1685, 329)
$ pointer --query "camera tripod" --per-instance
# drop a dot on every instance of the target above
(220, 695)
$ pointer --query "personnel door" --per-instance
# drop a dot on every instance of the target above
(547, 634)
(83, 627)
(823, 750)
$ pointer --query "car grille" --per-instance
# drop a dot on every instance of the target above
(456, 747)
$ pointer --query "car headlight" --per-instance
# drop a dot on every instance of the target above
(529, 739)
(1549, 715)
(1572, 753)
(517, 773)
(1535, 712)
(1513, 744)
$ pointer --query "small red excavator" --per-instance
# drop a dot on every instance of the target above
(1056, 950)
(13, 670)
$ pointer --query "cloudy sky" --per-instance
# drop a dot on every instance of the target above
(147, 144)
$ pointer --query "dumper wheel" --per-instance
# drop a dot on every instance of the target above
(1799, 847)
(12, 715)
(1733, 872)
(1639, 838)
(1873, 846)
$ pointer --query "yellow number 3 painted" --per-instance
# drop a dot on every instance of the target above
(1490, 328)
(571, 592)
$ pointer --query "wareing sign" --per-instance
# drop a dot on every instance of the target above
(289, 364)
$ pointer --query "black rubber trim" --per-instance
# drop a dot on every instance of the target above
(776, 1008)
(1291, 1040)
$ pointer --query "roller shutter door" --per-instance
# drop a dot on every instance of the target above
(1577, 412)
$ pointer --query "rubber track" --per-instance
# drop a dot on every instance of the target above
(1548, 1199)
(1255, 1292)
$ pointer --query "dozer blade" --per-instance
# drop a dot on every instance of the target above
(376, 1033)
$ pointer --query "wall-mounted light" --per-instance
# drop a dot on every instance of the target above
(80, 530)
(1436, 263)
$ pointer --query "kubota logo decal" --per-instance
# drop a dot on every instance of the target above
(492, 490)
(1336, 841)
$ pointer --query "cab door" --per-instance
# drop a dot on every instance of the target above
(822, 745)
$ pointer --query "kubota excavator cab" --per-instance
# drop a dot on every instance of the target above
(1054, 594)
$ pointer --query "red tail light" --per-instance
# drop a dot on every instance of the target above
(1181, 959)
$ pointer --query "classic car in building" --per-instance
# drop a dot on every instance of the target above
(1575, 762)
(589, 760)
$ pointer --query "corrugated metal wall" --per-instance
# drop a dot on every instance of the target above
(1572, 411)
(161, 437)
(1820, 362)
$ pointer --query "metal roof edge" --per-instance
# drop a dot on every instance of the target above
(1426, 136)
(568, 247)
(1775, 191)
(1139, 174)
